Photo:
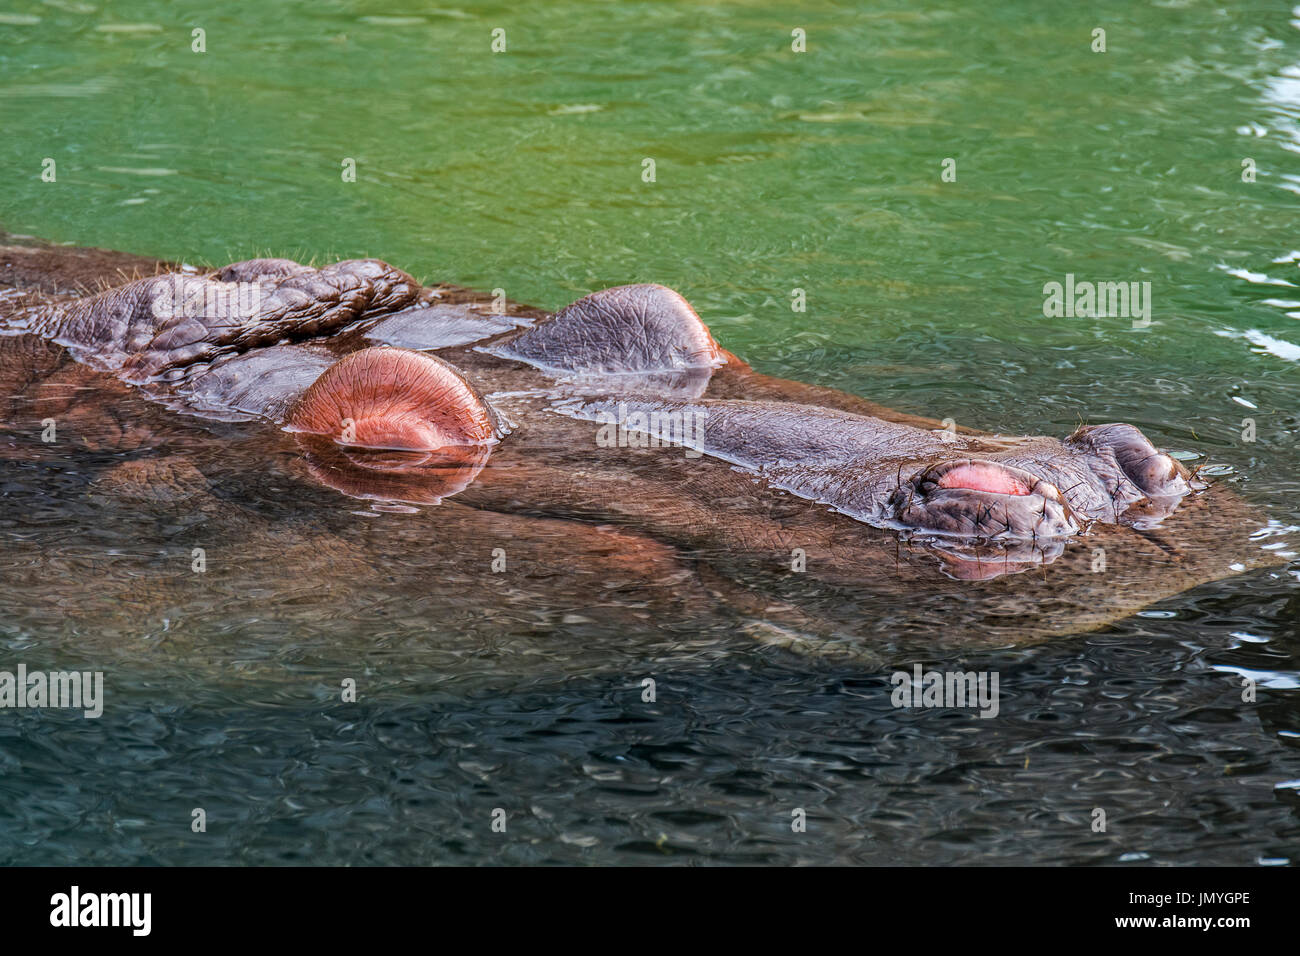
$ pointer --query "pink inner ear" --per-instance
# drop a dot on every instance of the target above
(979, 477)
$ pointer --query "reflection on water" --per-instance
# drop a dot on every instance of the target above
(418, 477)
(524, 689)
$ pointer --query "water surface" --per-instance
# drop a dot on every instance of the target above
(774, 171)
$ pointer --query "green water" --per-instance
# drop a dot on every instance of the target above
(773, 171)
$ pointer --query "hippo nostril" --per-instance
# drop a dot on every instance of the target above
(1139, 468)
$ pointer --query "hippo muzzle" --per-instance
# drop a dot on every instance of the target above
(1109, 473)
(986, 500)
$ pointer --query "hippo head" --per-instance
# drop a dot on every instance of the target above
(396, 422)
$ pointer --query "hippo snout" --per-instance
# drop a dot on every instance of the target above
(1140, 469)
(989, 500)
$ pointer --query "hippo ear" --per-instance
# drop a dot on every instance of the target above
(630, 328)
(250, 270)
(394, 399)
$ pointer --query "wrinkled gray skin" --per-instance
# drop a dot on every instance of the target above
(632, 350)
(776, 453)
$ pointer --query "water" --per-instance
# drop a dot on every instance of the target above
(773, 171)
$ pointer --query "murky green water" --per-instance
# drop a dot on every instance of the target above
(773, 171)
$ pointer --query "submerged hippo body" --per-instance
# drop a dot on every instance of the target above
(621, 410)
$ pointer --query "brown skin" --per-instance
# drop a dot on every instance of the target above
(564, 567)
(549, 467)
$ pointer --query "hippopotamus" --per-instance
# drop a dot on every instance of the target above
(620, 412)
